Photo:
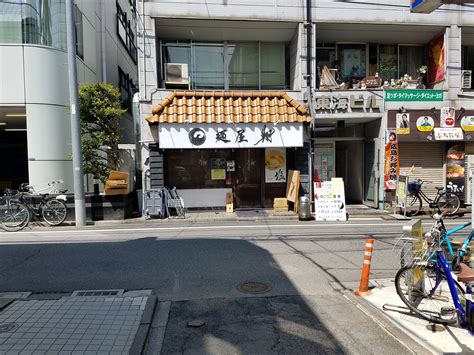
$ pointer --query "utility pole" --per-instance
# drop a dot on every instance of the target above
(79, 203)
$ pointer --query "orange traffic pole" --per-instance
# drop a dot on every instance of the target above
(364, 279)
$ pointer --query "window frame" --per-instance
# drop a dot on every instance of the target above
(129, 40)
(79, 32)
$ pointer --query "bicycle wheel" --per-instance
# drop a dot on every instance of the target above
(450, 202)
(14, 216)
(54, 212)
(413, 205)
(416, 286)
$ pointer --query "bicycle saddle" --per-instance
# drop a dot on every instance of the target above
(467, 274)
(439, 188)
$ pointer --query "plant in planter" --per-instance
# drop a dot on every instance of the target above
(100, 106)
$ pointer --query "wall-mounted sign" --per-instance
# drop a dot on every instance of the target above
(230, 165)
(448, 134)
(448, 117)
(346, 103)
(467, 123)
(255, 135)
(425, 124)
(218, 169)
(330, 200)
(275, 165)
(392, 162)
(403, 123)
(413, 95)
(455, 169)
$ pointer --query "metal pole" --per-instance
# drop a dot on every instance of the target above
(80, 209)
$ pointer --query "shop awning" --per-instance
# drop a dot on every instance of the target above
(228, 107)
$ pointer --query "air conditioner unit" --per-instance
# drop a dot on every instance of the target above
(176, 74)
(466, 79)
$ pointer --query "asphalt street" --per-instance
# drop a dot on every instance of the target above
(196, 269)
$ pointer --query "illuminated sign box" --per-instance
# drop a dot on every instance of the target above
(424, 6)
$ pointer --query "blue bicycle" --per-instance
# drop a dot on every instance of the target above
(429, 289)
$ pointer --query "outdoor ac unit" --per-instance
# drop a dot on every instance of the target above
(176, 73)
(466, 79)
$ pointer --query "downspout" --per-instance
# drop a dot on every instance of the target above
(103, 60)
(309, 82)
(145, 96)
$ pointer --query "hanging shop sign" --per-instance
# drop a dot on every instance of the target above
(467, 123)
(392, 161)
(346, 103)
(255, 135)
(425, 124)
(329, 200)
(275, 165)
(448, 134)
(413, 95)
(403, 123)
(448, 117)
(455, 169)
(218, 168)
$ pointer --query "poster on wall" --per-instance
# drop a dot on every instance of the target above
(352, 62)
(455, 169)
(275, 165)
(392, 162)
(330, 200)
(218, 168)
(436, 60)
(448, 117)
(467, 123)
(425, 124)
(403, 123)
(323, 161)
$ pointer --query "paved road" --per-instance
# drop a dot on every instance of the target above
(195, 270)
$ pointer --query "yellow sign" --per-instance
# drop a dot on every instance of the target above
(467, 123)
(217, 174)
(425, 124)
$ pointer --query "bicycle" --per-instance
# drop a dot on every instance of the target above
(52, 209)
(14, 215)
(428, 288)
(443, 200)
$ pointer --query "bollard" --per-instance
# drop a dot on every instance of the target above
(364, 279)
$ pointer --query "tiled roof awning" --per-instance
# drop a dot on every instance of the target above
(228, 107)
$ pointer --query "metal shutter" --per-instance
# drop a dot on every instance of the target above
(428, 159)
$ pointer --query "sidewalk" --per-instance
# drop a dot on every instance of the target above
(85, 322)
(438, 340)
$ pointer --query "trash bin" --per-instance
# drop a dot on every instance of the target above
(304, 209)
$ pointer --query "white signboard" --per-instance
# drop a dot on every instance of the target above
(448, 134)
(330, 200)
(448, 117)
(275, 165)
(213, 135)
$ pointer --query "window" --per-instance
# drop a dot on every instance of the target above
(125, 33)
(127, 88)
(468, 60)
(387, 63)
(79, 32)
(233, 65)
(353, 58)
(410, 59)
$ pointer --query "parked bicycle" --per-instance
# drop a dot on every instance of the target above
(428, 288)
(14, 215)
(52, 209)
(443, 200)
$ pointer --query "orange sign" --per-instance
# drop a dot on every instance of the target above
(436, 60)
(392, 162)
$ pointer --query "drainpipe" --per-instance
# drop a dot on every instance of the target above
(103, 51)
(309, 83)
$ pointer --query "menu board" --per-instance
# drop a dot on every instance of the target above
(275, 165)
(330, 200)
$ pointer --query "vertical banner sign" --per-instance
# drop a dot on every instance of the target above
(455, 169)
(436, 60)
(392, 162)
(275, 165)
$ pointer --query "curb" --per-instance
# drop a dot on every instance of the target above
(139, 342)
(385, 322)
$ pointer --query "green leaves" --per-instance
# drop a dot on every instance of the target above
(101, 109)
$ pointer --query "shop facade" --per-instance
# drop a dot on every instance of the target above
(435, 145)
(215, 142)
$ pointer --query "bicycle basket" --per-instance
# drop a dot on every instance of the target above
(414, 186)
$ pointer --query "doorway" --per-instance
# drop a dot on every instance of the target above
(248, 177)
(349, 167)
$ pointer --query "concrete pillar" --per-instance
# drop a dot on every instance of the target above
(453, 61)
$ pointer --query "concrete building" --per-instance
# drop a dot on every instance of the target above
(35, 134)
(345, 74)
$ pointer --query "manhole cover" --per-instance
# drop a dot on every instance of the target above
(435, 328)
(254, 287)
(7, 327)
